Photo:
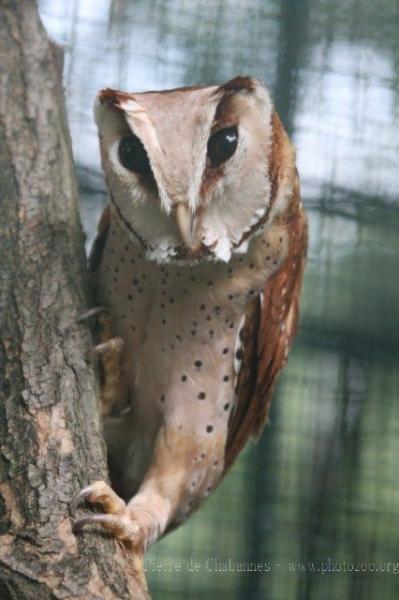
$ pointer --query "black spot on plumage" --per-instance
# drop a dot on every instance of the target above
(184, 377)
(226, 378)
(201, 396)
(225, 350)
(162, 398)
(226, 406)
(198, 364)
(209, 428)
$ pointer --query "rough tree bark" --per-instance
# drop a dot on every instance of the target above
(50, 432)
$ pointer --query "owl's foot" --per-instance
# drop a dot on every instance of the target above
(115, 519)
(110, 352)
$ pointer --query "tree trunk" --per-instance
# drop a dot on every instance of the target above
(50, 431)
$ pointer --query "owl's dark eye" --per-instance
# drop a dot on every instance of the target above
(133, 155)
(222, 145)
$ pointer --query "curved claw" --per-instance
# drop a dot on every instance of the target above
(112, 345)
(121, 528)
(79, 498)
(80, 523)
(91, 312)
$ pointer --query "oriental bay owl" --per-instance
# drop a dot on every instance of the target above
(199, 260)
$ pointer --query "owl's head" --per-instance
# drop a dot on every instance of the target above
(194, 173)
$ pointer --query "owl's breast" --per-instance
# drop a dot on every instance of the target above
(180, 325)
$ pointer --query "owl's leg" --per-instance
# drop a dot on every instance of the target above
(183, 471)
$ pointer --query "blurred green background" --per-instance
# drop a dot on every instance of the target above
(320, 491)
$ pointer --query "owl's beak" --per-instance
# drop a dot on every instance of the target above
(185, 225)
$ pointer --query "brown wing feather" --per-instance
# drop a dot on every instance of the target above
(267, 335)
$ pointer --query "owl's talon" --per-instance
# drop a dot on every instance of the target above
(79, 498)
(113, 345)
(121, 527)
(116, 518)
(92, 312)
(102, 494)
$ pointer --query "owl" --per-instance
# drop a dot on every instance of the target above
(198, 265)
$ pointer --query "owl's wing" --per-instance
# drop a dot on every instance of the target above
(269, 329)
(97, 248)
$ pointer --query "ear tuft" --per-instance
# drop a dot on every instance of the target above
(238, 84)
(113, 97)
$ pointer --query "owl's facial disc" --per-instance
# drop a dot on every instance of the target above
(194, 173)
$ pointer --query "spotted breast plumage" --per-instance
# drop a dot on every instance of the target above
(199, 261)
